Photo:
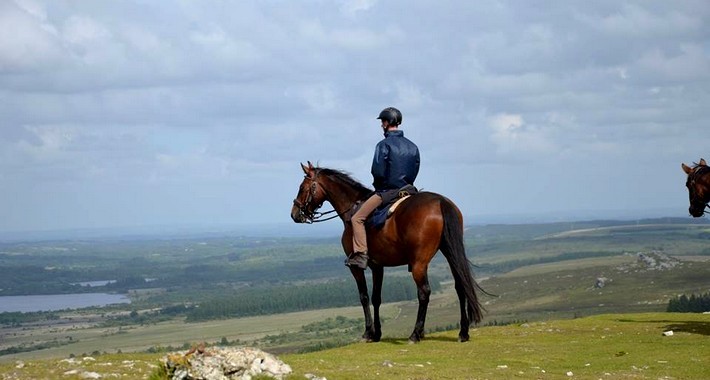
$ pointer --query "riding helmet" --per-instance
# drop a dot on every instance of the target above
(391, 115)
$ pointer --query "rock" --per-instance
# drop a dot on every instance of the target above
(601, 282)
(223, 363)
(668, 333)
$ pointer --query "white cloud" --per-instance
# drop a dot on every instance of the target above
(354, 6)
(351, 38)
(321, 98)
(636, 20)
(85, 32)
(410, 96)
(27, 41)
(687, 63)
(512, 135)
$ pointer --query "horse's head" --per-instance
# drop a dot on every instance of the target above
(310, 196)
(698, 184)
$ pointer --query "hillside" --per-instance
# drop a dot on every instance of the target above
(535, 273)
(613, 346)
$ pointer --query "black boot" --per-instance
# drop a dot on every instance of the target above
(357, 259)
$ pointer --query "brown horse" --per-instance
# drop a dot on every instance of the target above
(698, 184)
(421, 225)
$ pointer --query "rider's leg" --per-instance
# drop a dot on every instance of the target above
(359, 255)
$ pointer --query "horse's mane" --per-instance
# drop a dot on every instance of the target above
(346, 179)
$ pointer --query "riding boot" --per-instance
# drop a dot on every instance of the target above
(357, 259)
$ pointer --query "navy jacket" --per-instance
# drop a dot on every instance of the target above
(396, 162)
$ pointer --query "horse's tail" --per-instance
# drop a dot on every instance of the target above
(452, 247)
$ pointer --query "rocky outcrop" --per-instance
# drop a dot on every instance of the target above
(656, 260)
(223, 363)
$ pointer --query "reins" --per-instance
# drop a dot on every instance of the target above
(320, 216)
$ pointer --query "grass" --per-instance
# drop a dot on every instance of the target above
(606, 346)
(609, 346)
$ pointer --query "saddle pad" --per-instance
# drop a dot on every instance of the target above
(395, 204)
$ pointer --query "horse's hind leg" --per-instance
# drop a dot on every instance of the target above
(463, 333)
(377, 275)
(419, 273)
(359, 275)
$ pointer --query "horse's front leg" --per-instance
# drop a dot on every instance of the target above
(359, 275)
(419, 273)
(377, 275)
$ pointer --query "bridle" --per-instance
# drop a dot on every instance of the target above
(694, 199)
(314, 216)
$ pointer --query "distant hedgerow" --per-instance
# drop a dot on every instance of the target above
(289, 298)
(693, 304)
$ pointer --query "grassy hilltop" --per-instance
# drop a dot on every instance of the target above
(609, 346)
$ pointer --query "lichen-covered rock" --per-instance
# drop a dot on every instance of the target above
(223, 363)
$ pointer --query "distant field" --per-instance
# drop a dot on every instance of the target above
(580, 264)
(174, 333)
(591, 239)
(535, 293)
(535, 272)
(568, 288)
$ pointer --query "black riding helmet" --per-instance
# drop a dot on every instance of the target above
(391, 115)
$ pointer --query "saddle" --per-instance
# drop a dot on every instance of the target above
(390, 200)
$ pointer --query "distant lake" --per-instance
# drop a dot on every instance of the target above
(58, 301)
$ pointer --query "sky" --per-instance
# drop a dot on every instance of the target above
(117, 114)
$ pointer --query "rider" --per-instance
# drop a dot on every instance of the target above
(394, 166)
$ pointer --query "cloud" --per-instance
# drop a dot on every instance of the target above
(27, 41)
(198, 97)
(513, 136)
(353, 6)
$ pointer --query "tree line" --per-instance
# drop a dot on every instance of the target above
(507, 266)
(283, 299)
(694, 304)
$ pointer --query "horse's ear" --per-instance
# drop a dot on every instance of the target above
(687, 169)
(702, 162)
(308, 170)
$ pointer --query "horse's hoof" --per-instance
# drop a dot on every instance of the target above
(463, 339)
